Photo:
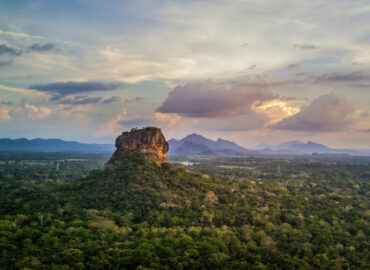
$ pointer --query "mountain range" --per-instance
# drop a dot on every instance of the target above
(52, 145)
(300, 148)
(193, 144)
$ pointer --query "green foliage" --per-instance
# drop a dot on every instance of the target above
(142, 215)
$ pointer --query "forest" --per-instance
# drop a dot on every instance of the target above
(69, 211)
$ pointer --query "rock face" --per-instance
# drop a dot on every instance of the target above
(146, 140)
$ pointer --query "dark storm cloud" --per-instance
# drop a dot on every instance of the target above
(9, 50)
(42, 48)
(330, 112)
(213, 99)
(69, 88)
(306, 46)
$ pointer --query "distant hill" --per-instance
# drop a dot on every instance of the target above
(195, 144)
(52, 145)
(303, 148)
(300, 148)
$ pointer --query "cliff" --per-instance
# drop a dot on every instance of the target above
(148, 140)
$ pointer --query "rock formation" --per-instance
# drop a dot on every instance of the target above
(149, 140)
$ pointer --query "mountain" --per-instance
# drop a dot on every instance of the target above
(189, 148)
(290, 144)
(51, 145)
(299, 148)
(195, 144)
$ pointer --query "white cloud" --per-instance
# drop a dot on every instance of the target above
(37, 112)
(26, 92)
(5, 113)
(23, 112)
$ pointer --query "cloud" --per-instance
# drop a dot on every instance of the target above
(5, 103)
(213, 99)
(300, 74)
(278, 109)
(358, 79)
(42, 48)
(19, 35)
(5, 112)
(112, 99)
(127, 101)
(361, 85)
(331, 112)
(293, 66)
(9, 50)
(336, 77)
(78, 100)
(37, 112)
(4, 49)
(9, 111)
(22, 91)
(83, 100)
(305, 46)
(68, 88)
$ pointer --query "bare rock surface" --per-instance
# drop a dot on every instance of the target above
(148, 140)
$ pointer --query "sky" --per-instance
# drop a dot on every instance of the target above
(254, 72)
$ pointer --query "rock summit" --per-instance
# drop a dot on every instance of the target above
(148, 140)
